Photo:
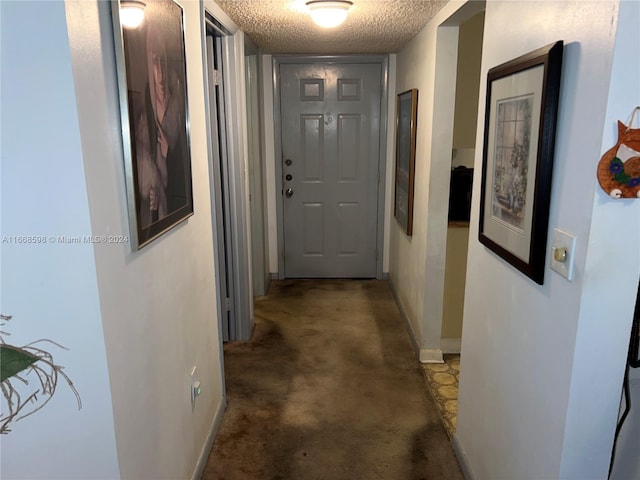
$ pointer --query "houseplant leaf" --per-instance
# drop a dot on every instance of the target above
(13, 360)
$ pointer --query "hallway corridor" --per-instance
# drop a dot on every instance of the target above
(328, 388)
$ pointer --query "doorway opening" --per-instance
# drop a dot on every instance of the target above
(457, 91)
(463, 150)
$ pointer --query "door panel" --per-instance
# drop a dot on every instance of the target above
(330, 145)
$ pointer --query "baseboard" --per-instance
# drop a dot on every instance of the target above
(462, 459)
(425, 355)
(385, 275)
(450, 345)
(208, 444)
(275, 276)
(431, 355)
(407, 323)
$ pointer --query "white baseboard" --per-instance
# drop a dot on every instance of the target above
(208, 444)
(431, 355)
(462, 459)
(450, 345)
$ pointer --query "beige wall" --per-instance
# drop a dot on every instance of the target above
(467, 82)
(454, 281)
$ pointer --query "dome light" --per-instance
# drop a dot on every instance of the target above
(329, 14)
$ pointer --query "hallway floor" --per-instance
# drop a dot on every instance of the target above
(328, 388)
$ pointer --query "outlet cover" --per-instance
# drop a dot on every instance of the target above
(563, 249)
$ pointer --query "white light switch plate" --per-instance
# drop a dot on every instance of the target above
(567, 241)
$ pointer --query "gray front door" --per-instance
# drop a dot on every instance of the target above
(330, 148)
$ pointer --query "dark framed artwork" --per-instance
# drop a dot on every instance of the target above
(406, 119)
(519, 138)
(152, 81)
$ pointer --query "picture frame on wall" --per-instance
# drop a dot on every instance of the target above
(152, 83)
(406, 124)
(519, 140)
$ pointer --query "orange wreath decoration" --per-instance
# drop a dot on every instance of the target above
(619, 167)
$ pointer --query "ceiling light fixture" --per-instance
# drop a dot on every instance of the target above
(131, 13)
(329, 14)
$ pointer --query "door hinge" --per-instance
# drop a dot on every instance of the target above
(216, 77)
(227, 304)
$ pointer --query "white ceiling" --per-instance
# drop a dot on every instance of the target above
(373, 26)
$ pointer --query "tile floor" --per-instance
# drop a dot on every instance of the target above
(442, 380)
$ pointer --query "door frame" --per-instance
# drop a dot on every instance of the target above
(383, 61)
(232, 58)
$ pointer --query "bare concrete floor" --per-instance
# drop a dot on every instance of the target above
(328, 388)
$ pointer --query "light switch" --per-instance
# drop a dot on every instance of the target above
(562, 253)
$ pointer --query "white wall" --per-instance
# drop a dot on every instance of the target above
(159, 304)
(612, 272)
(50, 288)
(259, 246)
(269, 160)
(542, 365)
(389, 187)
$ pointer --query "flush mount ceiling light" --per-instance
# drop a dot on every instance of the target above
(329, 14)
(131, 13)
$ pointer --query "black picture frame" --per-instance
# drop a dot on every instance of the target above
(152, 81)
(406, 124)
(634, 343)
(519, 141)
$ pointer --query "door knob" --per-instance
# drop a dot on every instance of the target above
(289, 192)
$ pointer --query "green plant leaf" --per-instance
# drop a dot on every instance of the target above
(13, 360)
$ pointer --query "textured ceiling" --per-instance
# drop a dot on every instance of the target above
(373, 26)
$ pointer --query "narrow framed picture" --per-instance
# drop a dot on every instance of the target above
(519, 139)
(152, 81)
(406, 120)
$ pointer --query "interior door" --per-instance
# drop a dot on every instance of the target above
(220, 177)
(330, 144)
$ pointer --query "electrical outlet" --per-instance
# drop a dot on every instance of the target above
(563, 249)
(194, 386)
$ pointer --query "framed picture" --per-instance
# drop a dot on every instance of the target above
(152, 80)
(519, 137)
(406, 118)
